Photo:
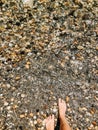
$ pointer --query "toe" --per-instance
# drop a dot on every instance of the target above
(48, 118)
(63, 101)
(52, 116)
(59, 101)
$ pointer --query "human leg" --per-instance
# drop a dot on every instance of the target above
(63, 121)
(49, 123)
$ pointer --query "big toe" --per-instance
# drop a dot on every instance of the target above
(52, 116)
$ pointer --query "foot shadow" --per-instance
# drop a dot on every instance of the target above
(57, 124)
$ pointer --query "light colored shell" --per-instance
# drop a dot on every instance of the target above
(28, 2)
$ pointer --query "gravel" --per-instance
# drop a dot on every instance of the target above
(48, 50)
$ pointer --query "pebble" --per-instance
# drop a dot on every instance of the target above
(31, 123)
(80, 47)
(8, 107)
(39, 121)
(87, 120)
(17, 78)
(6, 103)
(67, 99)
(82, 109)
(34, 117)
(31, 114)
(35, 122)
(97, 47)
(8, 85)
(27, 66)
(23, 95)
(54, 110)
(15, 106)
(22, 116)
(94, 123)
(96, 128)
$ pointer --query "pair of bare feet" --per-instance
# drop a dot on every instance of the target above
(63, 122)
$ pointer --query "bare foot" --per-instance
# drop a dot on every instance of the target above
(64, 125)
(62, 108)
(49, 123)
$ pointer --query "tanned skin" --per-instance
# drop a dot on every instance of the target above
(63, 121)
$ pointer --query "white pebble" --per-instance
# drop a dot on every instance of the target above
(34, 117)
(35, 122)
(6, 103)
(23, 95)
(54, 110)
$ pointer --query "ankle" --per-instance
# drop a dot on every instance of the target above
(62, 117)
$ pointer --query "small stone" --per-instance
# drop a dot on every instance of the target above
(87, 120)
(34, 117)
(68, 109)
(94, 123)
(28, 2)
(32, 124)
(8, 115)
(82, 109)
(6, 103)
(80, 47)
(42, 128)
(44, 115)
(54, 110)
(15, 106)
(77, 129)
(28, 63)
(38, 114)
(39, 121)
(43, 123)
(17, 78)
(55, 103)
(8, 85)
(23, 95)
(22, 116)
(27, 66)
(8, 108)
(92, 111)
(96, 128)
(62, 63)
(31, 114)
(67, 99)
(12, 99)
(50, 67)
(97, 48)
(91, 126)
(35, 122)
